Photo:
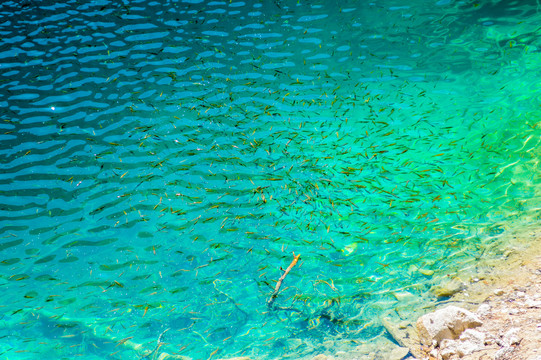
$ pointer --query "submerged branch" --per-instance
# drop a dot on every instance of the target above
(270, 302)
(153, 355)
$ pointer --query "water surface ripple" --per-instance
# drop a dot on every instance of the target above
(162, 161)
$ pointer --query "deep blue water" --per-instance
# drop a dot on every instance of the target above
(161, 161)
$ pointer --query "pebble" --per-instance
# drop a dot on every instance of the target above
(426, 272)
(498, 292)
(403, 325)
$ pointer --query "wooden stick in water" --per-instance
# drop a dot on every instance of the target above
(279, 283)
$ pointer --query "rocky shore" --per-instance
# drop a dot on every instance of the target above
(496, 316)
(492, 314)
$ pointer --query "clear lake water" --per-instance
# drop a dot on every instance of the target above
(162, 162)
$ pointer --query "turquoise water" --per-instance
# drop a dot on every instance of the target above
(161, 161)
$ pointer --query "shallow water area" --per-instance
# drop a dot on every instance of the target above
(162, 162)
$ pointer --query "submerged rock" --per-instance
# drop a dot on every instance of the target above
(446, 323)
(403, 296)
(405, 336)
(426, 272)
(449, 289)
(321, 357)
(166, 356)
(399, 353)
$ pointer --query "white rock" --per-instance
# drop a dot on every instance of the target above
(457, 348)
(470, 341)
(514, 311)
(473, 336)
(448, 349)
(498, 292)
(468, 348)
(503, 353)
(533, 303)
(511, 337)
(484, 309)
(446, 323)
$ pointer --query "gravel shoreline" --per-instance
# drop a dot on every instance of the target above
(507, 300)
